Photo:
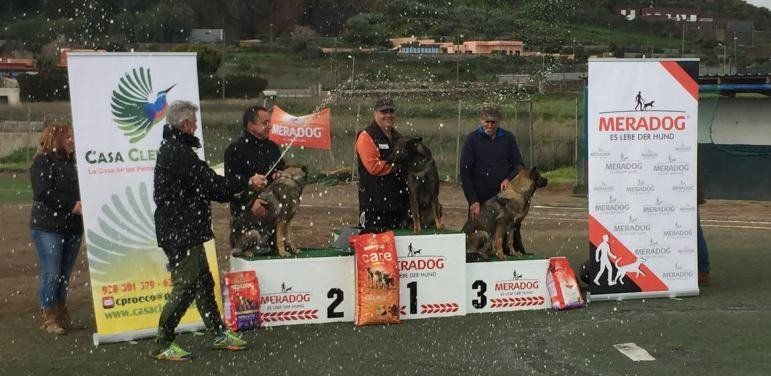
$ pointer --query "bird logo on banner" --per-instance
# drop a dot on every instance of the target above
(135, 108)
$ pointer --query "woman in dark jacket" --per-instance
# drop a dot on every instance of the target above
(56, 222)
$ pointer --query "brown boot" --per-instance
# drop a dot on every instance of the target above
(51, 322)
(63, 314)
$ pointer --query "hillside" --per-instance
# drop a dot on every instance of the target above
(542, 24)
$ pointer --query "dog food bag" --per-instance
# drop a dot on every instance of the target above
(377, 279)
(242, 300)
(563, 286)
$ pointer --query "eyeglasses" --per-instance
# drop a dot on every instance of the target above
(387, 111)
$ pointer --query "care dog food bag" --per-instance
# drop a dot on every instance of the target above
(242, 300)
(377, 279)
(563, 286)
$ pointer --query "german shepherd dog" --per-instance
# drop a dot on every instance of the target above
(253, 234)
(501, 217)
(412, 156)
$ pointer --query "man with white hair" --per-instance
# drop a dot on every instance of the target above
(184, 187)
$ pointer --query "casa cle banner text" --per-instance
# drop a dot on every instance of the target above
(310, 131)
(642, 129)
(119, 103)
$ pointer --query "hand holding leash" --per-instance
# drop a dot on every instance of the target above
(258, 181)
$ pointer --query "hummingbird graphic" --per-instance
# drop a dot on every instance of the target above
(134, 111)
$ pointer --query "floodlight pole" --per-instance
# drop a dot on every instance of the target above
(682, 41)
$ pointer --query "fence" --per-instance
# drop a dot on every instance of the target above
(545, 128)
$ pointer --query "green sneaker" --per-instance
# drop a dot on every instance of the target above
(229, 341)
(174, 353)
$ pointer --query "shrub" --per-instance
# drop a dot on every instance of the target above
(44, 87)
(236, 86)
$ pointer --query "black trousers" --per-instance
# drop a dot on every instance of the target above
(382, 220)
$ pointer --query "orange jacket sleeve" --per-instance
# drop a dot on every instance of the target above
(369, 155)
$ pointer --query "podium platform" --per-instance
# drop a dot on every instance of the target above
(514, 284)
(318, 285)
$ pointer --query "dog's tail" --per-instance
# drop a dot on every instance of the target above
(618, 259)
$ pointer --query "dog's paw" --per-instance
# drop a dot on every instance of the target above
(283, 253)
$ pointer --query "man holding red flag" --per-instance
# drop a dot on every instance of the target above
(253, 153)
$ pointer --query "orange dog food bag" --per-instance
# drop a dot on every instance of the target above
(377, 279)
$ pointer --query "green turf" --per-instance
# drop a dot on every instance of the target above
(15, 188)
(306, 253)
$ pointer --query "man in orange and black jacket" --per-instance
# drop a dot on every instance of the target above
(383, 195)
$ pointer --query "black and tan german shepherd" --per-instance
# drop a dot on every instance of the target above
(501, 217)
(414, 157)
(253, 235)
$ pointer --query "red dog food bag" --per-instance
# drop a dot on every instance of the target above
(377, 279)
(563, 286)
(242, 300)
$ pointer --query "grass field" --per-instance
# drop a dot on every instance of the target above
(15, 188)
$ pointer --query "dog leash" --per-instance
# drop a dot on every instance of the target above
(288, 146)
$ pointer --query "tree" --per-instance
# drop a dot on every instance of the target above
(209, 58)
(367, 29)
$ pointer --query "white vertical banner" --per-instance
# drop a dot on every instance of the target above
(642, 132)
(119, 103)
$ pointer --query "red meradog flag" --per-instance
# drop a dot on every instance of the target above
(310, 131)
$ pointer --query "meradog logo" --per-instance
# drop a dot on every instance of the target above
(136, 109)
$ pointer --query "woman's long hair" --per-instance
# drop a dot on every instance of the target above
(52, 139)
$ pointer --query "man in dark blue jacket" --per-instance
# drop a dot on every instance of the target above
(489, 160)
(184, 187)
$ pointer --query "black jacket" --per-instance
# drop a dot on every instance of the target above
(184, 187)
(486, 161)
(385, 193)
(245, 157)
(54, 194)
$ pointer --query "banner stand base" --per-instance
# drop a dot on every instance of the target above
(640, 295)
(141, 334)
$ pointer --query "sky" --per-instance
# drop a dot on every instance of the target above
(761, 3)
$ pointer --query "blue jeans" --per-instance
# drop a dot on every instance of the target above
(57, 254)
(702, 252)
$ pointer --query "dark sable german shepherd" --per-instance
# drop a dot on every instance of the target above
(412, 156)
(253, 235)
(501, 217)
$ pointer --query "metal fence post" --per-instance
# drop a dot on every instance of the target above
(530, 120)
(457, 145)
(354, 167)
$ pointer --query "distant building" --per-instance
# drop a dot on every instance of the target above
(669, 14)
(414, 45)
(64, 51)
(657, 14)
(506, 47)
(414, 48)
(207, 35)
(629, 12)
(13, 67)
